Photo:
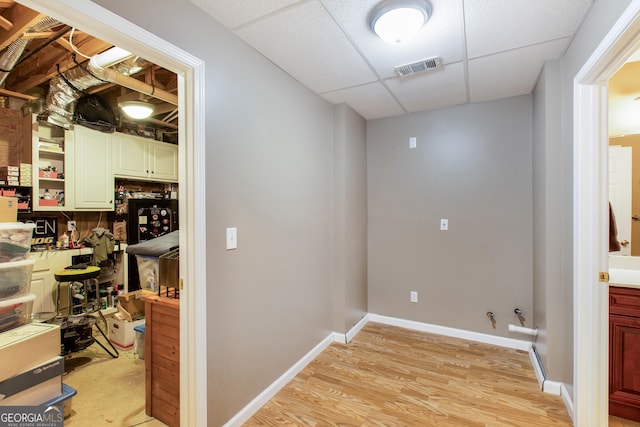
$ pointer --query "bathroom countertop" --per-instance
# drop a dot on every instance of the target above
(624, 278)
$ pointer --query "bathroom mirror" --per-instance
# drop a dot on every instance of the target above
(624, 163)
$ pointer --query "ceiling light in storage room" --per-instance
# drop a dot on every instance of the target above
(395, 21)
(137, 109)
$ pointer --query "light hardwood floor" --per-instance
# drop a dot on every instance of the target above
(388, 376)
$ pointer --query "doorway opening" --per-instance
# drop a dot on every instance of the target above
(591, 218)
(190, 70)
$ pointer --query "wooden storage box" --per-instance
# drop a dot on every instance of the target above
(162, 359)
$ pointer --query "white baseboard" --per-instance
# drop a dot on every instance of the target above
(260, 400)
(537, 367)
(356, 328)
(346, 338)
(546, 385)
(552, 387)
(567, 401)
(452, 332)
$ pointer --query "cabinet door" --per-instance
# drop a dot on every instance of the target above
(41, 286)
(93, 178)
(164, 161)
(624, 366)
(130, 157)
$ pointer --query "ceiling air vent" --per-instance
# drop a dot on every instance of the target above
(430, 64)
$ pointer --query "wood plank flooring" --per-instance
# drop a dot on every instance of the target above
(389, 376)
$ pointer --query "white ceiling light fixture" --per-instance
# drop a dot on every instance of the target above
(396, 21)
(137, 109)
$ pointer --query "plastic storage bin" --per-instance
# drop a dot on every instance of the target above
(16, 312)
(64, 399)
(15, 278)
(148, 271)
(138, 347)
(15, 240)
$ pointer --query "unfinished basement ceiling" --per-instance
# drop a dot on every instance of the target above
(59, 49)
(490, 49)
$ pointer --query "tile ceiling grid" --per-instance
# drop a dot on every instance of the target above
(490, 48)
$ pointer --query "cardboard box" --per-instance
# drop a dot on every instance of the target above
(48, 174)
(35, 343)
(131, 304)
(8, 209)
(121, 332)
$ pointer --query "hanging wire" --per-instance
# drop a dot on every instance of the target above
(73, 47)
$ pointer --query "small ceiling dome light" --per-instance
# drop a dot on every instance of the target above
(137, 109)
(396, 21)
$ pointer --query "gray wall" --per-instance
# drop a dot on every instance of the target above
(547, 270)
(269, 156)
(350, 217)
(472, 165)
(559, 189)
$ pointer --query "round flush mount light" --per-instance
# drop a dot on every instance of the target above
(136, 109)
(396, 21)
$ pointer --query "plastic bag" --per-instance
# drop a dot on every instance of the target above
(94, 112)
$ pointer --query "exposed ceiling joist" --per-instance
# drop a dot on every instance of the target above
(5, 24)
(51, 51)
(17, 95)
(43, 66)
(22, 18)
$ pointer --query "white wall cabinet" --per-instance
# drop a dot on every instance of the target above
(92, 178)
(141, 158)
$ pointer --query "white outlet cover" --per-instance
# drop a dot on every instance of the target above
(413, 296)
(232, 238)
(412, 142)
(444, 224)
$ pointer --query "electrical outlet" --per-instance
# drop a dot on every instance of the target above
(413, 296)
(71, 225)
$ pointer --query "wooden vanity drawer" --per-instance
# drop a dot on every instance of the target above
(624, 301)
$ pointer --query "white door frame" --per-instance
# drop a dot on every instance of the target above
(590, 214)
(190, 70)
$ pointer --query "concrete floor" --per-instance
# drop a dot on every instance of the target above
(110, 392)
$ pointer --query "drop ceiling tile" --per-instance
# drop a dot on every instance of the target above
(371, 101)
(511, 73)
(430, 90)
(306, 42)
(441, 36)
(234, 13)
(498, 25)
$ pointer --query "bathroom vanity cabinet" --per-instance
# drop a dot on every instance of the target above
(624, 352)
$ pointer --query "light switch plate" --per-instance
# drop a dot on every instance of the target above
(232, 238)
(444, 224)
(412, 142)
